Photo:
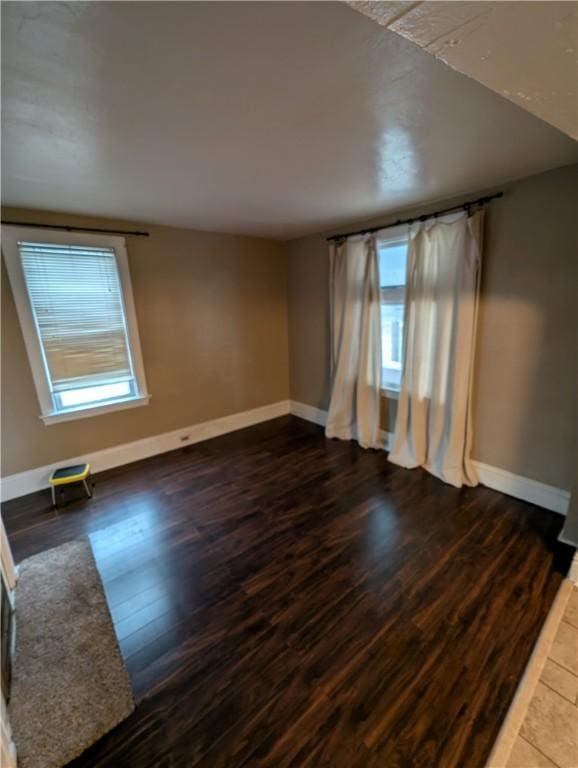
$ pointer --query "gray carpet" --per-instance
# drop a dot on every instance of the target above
(70, 685)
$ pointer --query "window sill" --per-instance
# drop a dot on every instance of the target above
(391, 394)
(96, 410)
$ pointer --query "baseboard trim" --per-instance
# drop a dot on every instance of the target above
(308, 412)
(573, 573)
(36, 479)
(32, 480)
(387, 438)
(532, 491)
(317, 416)
(547, 496)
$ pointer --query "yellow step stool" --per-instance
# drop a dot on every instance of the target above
(66, 475)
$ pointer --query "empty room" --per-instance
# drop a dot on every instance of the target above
(289, 384)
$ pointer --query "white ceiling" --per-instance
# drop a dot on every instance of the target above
(266, 118)
(524, 51)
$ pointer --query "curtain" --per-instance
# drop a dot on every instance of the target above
(355, 342)
(434, 418)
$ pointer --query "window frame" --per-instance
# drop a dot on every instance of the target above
(390, 236)
(11, 235)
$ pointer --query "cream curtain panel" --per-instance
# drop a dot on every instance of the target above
(434, 418)
(356, 342)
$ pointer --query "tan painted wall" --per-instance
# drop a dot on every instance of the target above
(212, 315)
(525, 393)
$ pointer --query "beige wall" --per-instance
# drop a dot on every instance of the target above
(525, 389)
(212, 315)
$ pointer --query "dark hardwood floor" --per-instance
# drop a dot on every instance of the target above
(284, 600)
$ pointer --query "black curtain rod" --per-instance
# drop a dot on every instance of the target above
(465, 206)
(133, 233)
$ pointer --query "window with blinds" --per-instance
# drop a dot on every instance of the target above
(75, 304)
(76, 300)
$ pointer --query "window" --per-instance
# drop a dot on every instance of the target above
(75, 305)
(392, 251)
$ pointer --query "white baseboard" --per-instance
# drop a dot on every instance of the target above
(308, 412)
(387, 438)
(532, 491)
(547, 496)
(573, 573)
(36, 479)
(317, 416)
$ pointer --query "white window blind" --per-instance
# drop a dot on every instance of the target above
(77, 304)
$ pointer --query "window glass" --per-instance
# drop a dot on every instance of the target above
(76, 300)
(392, 273)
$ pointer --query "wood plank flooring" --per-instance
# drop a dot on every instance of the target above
(285, 600)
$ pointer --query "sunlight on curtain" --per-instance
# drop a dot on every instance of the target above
(433, 426)
(356, 342)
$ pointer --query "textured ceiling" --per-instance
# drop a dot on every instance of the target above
(524, 51)
(273, 119)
